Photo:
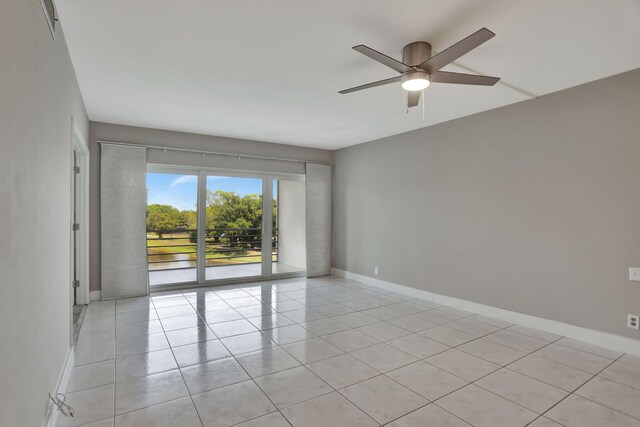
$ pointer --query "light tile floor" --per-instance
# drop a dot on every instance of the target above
(332, 352)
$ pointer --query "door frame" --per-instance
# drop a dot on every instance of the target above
(267, 189)
(80, 146)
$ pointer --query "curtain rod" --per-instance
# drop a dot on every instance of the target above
(212, 153)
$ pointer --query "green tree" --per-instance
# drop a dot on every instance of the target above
(226, 209)
(190, 219)
(163, 218)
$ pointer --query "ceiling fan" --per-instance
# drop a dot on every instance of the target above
(419, 69)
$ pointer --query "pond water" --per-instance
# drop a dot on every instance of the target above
(172, 261)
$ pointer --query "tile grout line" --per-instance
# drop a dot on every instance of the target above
(602, 404)
(134, 378)
(366, 364)
(467, 382)
(176, 360)
(445, 324)
(560, 363)
(506, 367)
(548, 343)
(200, 315)
(381, 342)
(571, 393)
(419, 359)
(349, 354)
(528, 376)
(350, 328)
(307, 368)
(478, 379)
(115, 358)
(239, 364)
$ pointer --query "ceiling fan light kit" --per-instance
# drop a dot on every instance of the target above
(417, 80)
(418, 69)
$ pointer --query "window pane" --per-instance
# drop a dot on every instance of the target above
(289, 252)
(171, 227)
(234, 227)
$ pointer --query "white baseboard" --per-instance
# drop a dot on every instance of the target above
(602, 339)
(95, 295)
(51, 418)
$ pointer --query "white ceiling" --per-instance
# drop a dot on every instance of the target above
(271, 70)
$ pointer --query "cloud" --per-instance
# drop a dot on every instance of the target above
(188, 179)
(183, 179)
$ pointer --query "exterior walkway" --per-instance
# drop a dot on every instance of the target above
(187, 275)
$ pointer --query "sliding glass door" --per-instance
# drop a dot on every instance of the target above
(172, 238)
(219, 226)
(234, 219)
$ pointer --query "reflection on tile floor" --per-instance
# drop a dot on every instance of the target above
(328, 351)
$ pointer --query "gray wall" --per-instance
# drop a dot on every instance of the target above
(38, 97)
(533, 207)
(129, 134)
(291, 225)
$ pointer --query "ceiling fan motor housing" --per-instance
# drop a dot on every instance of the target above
(416, 53)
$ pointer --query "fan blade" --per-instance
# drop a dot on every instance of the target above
(374, 84)
(463, 79)
(413, 97)
(382, 58)
(454, 52)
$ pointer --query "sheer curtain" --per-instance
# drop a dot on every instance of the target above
(123, 199)
(318, 219)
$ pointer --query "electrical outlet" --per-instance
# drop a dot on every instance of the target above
(375, 270)
(633, 321)
(634, 274)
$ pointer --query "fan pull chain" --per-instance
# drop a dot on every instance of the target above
(64, 408)
(423, 105)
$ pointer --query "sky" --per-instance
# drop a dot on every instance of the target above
(181, 190)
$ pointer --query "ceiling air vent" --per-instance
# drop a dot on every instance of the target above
(50, 14)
